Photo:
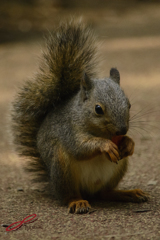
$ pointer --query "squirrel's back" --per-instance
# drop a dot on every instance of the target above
(69, 55)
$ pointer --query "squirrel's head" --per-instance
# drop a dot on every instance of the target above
(105, 106)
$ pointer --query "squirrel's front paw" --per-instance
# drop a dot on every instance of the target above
(126, 147)
(79, 206)
(112, 151)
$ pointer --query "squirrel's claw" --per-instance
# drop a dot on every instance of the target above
(112, 152)
(79, 206)
(126, 147)
(137, 195)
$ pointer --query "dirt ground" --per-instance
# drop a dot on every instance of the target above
(131, 42)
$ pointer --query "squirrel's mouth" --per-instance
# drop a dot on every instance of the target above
(117, 135)
(122, 131)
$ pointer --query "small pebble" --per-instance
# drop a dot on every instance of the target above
(5, 225)
(20, 189)
(152, 182)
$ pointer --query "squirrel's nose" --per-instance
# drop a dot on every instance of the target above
(123, 131)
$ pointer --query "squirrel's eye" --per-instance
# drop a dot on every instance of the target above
(99, 110)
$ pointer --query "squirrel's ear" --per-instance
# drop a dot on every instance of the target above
(86, 85)
(114, 75)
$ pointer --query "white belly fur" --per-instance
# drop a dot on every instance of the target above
(95, 173)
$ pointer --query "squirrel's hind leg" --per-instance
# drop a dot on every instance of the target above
(135, 195)
(110, 193)
(64, 184)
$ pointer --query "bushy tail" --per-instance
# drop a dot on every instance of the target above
(70, 53)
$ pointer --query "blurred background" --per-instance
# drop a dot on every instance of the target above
(129, 33)
(128, 29)
(26, 19)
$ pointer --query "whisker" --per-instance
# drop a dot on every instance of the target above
(138, 116)
(135, 130)
(143, 129)
(144, 121)
(147, 124)
(144, 110)
(132, 94)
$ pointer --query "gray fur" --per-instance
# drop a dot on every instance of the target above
(57, 109)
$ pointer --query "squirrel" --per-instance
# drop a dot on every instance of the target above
(73, 125)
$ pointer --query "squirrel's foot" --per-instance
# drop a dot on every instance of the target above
(136, 195)
(126, 147)
(112, 151)
(79, 206)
